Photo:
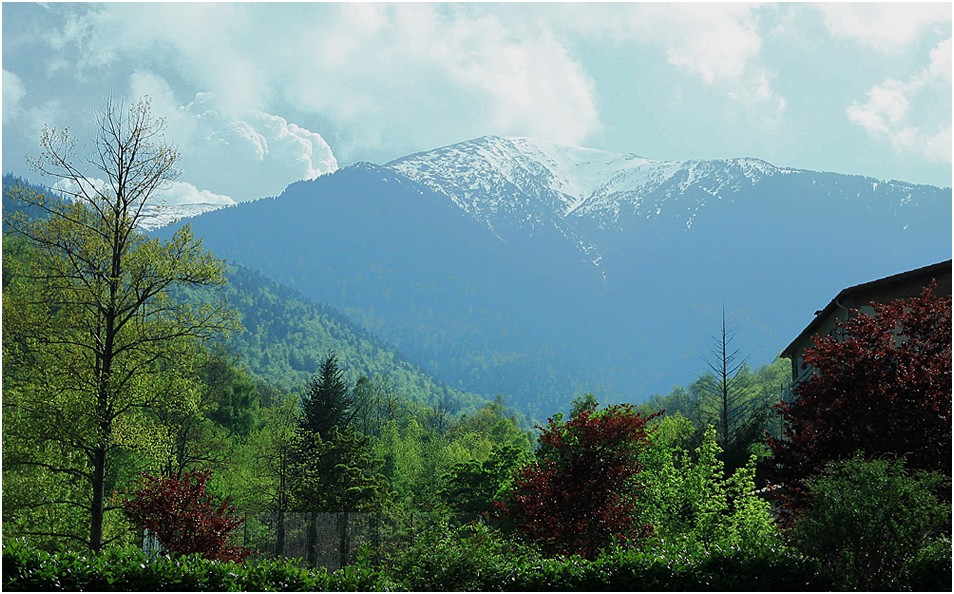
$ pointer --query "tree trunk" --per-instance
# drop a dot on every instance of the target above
(99, 498)
(343, 518)
(311, 539)
(280, 533)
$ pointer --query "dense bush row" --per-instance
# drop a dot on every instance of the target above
(468, 558)
(470, 566)
(129, 569)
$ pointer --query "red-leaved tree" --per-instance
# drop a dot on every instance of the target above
(579, 496)
(882, 385)
(185, 517)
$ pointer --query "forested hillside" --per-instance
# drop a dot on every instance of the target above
(541, 271)
(285, 337)
(171, 422)
(237, 414)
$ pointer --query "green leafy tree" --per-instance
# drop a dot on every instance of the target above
(258, 471)
(471, 487)
(233, 394)
(486, 449)
(687, 496)
(93, 312)
(279, 440)
(181, 436)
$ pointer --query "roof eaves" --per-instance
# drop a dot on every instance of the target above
(822, 315)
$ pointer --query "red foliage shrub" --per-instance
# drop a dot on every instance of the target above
(580, 494)
(185, 517)
(882, 385)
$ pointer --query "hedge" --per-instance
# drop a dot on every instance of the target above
(29, 569)
(657, 568)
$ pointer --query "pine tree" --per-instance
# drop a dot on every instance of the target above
(739, 416)
(327, 402)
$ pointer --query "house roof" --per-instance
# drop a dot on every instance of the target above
(824, 314)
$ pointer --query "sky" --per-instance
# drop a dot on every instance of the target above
(259, 95)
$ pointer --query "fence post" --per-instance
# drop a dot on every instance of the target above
(150, 543)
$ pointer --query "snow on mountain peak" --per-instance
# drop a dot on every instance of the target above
(562, 176)
(487, 174)
(520, 187)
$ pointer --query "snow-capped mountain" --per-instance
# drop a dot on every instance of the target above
(490, 175)
(540, 271)
(155, 216)
(519, 187)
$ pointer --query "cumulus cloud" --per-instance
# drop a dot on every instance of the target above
(713, 42)
(386, 73)
(886, 27)
(175, 193)
(245, 154)
(416, 74)
(893, 110)
(88, 186)
(180, 193)
(30, 116)
(720, 44)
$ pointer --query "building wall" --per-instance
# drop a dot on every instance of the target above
(860, 300)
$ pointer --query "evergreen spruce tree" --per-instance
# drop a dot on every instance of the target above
(334, 469)
(328, 403)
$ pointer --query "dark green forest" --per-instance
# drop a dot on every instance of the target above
(171, 421)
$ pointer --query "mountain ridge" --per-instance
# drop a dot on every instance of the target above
(496, 279)
(616, 189)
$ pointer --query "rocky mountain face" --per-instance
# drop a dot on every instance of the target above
(540, 271)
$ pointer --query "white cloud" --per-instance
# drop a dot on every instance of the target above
(419, 74)
(940, 66)
(13, 92)
(30, 116)
(179, 193)
(88, 186)
(894, 112)
(254, 153)
(717, 43)
(392, 74)
(175, 193)
(886, 27)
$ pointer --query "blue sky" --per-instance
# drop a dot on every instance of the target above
(257, 96)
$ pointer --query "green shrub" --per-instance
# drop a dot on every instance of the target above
(471, 558)
(477, 558)
(120, 569)
(687, 496)
(929, 570)
(444, 557)
(876, 525)
(673, 567)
